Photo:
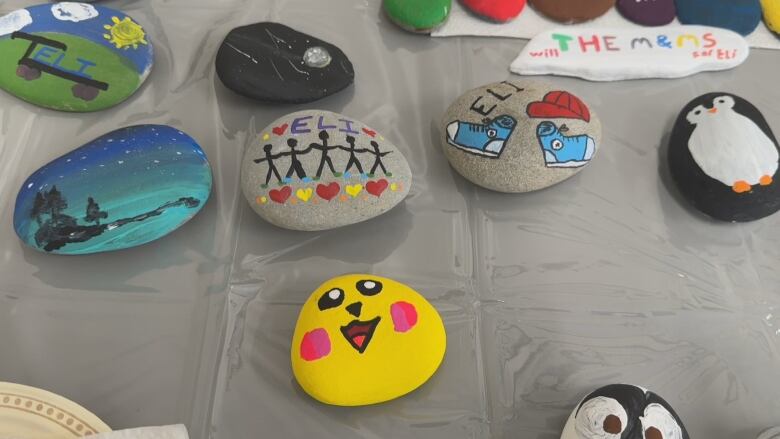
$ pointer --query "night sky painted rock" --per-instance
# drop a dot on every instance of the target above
(572, 11)
(418, 15)
(724, 158)
(123, 189)
(317, 170)
(741, 16)
(624, 411)
(648, 12)
(496, 10)
(363, 339)
(271, 62)
(519, 135)
(73, 56)
(771, 9)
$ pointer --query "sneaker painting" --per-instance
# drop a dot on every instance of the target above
(486, 139)
(562, 151)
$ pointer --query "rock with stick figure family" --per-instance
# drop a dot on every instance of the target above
(123, 189)
(624, 411)
(572, 11)
(73, 56)
(519, 135)
(741, 16)
(318, 170)
(724, 157)
(271, 62)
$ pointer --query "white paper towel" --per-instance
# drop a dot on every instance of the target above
(529, 24)
(177, 431)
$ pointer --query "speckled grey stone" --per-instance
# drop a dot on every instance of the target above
(305, 189)
(494, 135)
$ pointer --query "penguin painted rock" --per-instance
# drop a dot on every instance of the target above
(724, 158)
(624, 411)
(496, 10)
(741, 16)
(363, 339)
(572, 11)
(648, 12)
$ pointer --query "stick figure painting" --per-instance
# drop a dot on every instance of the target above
(327, 164)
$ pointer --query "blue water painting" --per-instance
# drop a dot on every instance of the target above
(124, 189)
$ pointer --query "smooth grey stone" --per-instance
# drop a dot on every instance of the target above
(318, 170)
(519, 135)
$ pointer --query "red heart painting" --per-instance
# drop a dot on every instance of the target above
(376, 187)
(281, 195)
(369, 132)
(328, 192)
(280, 129)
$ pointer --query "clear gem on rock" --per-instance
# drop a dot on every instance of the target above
(316, 57)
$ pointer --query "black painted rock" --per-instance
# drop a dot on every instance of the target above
(273, 63)
(724, 158)
(648, 12)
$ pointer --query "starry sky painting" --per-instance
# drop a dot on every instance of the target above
(140, 183)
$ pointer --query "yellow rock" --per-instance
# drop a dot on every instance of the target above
(363, 339)
(772, 14)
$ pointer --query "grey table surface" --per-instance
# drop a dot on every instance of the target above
(608, 277)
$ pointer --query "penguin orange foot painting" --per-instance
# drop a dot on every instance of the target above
(363, 339)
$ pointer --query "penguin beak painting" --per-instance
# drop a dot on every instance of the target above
(712, 110)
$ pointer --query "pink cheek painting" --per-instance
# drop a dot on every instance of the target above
(315, 345)
(404, 316)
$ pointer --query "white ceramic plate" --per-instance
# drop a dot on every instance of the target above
(30, 413)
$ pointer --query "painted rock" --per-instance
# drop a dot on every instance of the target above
(495, 10)
(73, 56)
(271, 62)
(317, 170)
(741, 16)
(363, 339)
(123, 189)
(519, 136)
(626, 412)
(572, 11)
(648, 12)
(771, 10)
(613, 54)
(418, 16)
(724, 158)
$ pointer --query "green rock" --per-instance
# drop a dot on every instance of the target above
(418, 15)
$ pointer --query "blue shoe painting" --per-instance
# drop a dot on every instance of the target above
(562, 151)
(486, 139)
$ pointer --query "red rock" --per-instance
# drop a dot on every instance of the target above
(496, 10)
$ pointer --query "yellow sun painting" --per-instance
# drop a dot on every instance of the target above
(125, 33)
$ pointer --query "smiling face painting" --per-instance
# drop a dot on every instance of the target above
(363, 339)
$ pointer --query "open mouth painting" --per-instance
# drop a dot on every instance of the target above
(358, 333)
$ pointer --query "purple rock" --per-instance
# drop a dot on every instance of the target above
(648, 12)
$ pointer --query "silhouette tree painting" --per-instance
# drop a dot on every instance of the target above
(57, 229)
(94, 214)
(38, 209)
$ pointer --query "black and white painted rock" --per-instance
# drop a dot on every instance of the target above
(318, 170)
(519, 135)
(624, 411)
(724, 158)
(273, 63)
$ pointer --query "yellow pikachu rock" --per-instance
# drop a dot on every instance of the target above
(772, 14)
(363, 339)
